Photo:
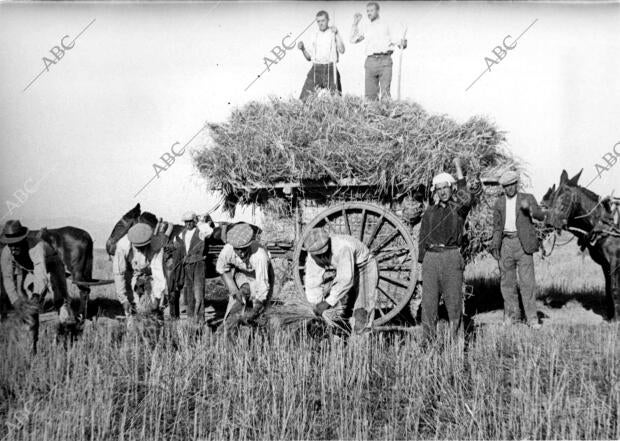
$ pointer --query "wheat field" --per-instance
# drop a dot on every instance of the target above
(503, 382)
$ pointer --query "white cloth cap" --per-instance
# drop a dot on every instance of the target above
(443, 178)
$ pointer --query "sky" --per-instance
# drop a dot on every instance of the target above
(81, 140)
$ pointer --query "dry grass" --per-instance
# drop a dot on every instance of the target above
(562, 382)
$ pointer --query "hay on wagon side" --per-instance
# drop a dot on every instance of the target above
(392, 146)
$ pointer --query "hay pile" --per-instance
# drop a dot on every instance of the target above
(393, 146)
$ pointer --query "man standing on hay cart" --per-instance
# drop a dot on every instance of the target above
(247, 272)
(323, 52)
(380, 45)
(354, 286)
(441, 237)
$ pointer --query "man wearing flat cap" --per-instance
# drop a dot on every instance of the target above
(356, 276)
(30, 269)
(192, 250)
(441, 237)
(138, 271)
(514, 243)
(246, 270)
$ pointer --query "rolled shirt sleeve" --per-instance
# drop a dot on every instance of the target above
(226, 259)
(260, 262)
(313, 281)
(157, 272)
(41, 278)
(345, 273)
(8, 279)
(357, 34)
(119, 270)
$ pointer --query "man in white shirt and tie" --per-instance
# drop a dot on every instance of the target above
(380, 45)
(323, 52)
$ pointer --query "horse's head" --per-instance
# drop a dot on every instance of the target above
(44, 235)
(121, 228)
(547, 199)
(566, 202)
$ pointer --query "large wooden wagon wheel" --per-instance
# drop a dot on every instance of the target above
(388, 240)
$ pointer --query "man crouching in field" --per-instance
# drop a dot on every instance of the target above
(30, 269)
(514, 243)
(246, 270)
(138, 272)
(441, 237)
(355, 284)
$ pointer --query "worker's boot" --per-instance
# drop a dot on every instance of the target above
(360, 317)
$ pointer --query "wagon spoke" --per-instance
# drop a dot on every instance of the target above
(386, 241)
(329, 224)
(389, 297)
(346, 221)
(399, 267)
(393, 281)
(381, 313)
(391, 254)
(360, 235)
(375, 230)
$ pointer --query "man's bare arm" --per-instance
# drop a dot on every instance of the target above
(303, 50)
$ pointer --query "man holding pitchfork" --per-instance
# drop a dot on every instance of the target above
(380, 45)
(323, 52)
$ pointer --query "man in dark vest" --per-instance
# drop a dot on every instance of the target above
(192, 253)
(514, 243)
(441, 237)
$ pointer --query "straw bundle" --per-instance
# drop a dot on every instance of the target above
(393, 146)
(295, 310)
(21, 317)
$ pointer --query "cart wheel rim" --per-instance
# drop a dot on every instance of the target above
(388, 239)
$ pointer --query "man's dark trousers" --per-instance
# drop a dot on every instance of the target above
(442, 272)
(514, 259)
(321, 76)
(195, 289)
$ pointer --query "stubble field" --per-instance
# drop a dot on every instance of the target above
(508, 382)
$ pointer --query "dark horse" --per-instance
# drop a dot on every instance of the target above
(590, 219)
(132, 216)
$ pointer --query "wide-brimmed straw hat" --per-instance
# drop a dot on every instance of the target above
(240, 235)
(140, 235)
(13, 232)
(317, 241)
